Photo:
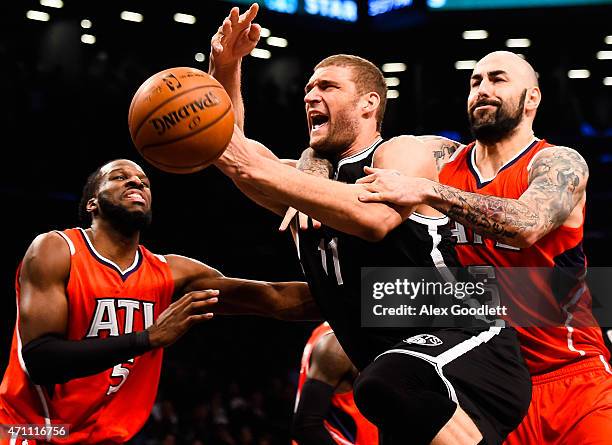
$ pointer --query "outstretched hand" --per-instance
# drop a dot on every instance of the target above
(382, 185)
(236, 37)
(181, 315)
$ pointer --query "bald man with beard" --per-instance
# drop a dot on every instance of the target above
(519, 201)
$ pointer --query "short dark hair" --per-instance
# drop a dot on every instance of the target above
(366, 76)
(89, 191)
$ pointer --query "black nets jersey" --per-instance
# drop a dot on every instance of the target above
(332, 263)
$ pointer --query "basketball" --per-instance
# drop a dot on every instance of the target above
(181, 120)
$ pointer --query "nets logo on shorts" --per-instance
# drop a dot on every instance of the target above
(424, 340)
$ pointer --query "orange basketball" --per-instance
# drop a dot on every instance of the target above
(181, 120)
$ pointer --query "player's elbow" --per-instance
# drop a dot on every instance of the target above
(373, 234)
(522, 240)
(376, 226)
(293, 302)
(526, 240)
(40, 362)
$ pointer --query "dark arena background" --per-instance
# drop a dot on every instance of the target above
(69, 71)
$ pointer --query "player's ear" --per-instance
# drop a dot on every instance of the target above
(92, 205)
(533, 96)
(370, 102)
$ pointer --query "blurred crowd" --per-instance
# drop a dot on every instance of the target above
(205, 407)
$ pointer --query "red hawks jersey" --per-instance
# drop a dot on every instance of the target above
(345, 423)
(544, 349)
(111, 406)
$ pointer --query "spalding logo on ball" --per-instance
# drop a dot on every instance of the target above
(181, 120)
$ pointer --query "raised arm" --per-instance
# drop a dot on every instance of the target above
(283, 300)
(556, 193)
(235, 38)
(43, 321)
(330, 371)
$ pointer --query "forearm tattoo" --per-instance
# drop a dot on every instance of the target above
(557, 182)
(312, 164)
(497, 218)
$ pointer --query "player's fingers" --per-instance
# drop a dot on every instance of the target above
(254, 33)
(199, 295)
(180, 304)
(204, 294)
(303, 219)
(316, 224)
(367, 179)
(226, 28)
(197, 318)
(234, 15)
(197, 307)
(370, 170)
(250, 13)
(188, 298)
(289, 215)
(216, 45)
(372, 197)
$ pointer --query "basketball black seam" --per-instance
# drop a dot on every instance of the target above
(190, 134)
(144, 121)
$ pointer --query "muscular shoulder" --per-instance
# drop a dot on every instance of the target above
(400, 144)
(407, 154)
(328, 362)
(563, 166)
(47, 258)
(186, 270)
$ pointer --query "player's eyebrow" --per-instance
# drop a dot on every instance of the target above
(140, 174)
(496, 73)
(490, 74)
(321, 82)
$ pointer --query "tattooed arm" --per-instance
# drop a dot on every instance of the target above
(441, 148)
(557, 184)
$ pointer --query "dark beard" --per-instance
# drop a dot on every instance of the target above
(503, 124)
(336, 143)
(126, 222)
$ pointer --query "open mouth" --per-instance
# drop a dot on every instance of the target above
(135, 197)
(317, 121)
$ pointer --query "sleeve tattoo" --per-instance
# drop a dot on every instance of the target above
(557, 183)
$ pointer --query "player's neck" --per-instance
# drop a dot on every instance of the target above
(361, 142)
(112, 244)
(491, 157)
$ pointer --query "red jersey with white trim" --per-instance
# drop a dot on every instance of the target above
(103, 301)
(548, 348)
(355, 429)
